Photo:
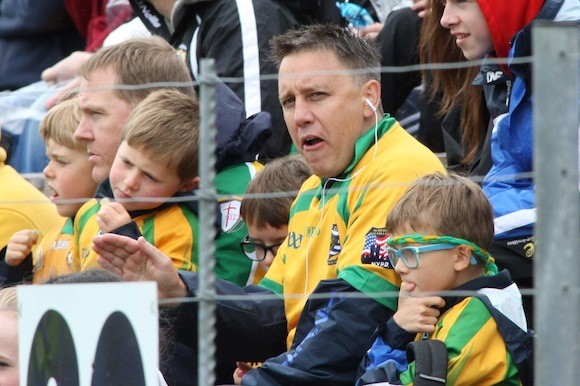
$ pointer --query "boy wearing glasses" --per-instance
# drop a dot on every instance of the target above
(440, 231)
(265, 209)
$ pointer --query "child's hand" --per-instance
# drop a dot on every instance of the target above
(416, 313)
(240, 371)
(20, 245)
(112, 215)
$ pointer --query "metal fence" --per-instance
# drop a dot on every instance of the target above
(557, 260)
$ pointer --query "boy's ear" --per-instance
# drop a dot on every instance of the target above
(190, 185)
(462, 257)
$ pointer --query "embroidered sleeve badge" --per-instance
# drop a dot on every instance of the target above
(375, 249)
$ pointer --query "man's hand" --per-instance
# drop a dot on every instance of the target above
(417, 313)
(64, 93)
(20, 245)
(112, 215)
(66, 69)
(138, 260)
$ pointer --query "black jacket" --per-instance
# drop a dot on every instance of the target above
(254, 329)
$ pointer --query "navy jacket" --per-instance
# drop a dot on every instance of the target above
(34, 35)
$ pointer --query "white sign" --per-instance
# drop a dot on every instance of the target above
(89, 334)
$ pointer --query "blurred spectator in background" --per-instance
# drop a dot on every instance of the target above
(22, 206)
(22, 111)
(34, 35)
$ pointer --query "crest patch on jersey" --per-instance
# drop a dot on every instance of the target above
(375, 249)
(335, 246)
(231, 220)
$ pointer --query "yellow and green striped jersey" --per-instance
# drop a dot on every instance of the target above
(56, 254)
(173, 229)
(477, 352)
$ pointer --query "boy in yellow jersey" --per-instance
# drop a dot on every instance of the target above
(157, 159)
(440, 231)
(68, 174)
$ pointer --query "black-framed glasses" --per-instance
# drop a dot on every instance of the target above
(256, 251)
(410, 255)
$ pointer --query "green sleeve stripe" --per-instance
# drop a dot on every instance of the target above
(193, 222)
(361, 198)
(148, 230)
(272, 286)
(367, 282)
(303, 201)
(68, 228)
(460, 334)
(342, 204)
(407, 376)
(87, 215)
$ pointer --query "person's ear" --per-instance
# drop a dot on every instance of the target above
(462, 257)
(190, 185)
(371, 98)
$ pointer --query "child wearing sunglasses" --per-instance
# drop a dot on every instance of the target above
(451, 290)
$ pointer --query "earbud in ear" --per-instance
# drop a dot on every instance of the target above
(370, 104)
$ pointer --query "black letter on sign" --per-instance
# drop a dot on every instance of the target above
(53, 353)
(118, 358)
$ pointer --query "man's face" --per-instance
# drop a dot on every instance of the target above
(325, 114)
(103, 116)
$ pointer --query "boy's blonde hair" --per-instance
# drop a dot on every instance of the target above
(448, 205)
(141, 61)
(60, 123)
(166, 125)
(282, 175)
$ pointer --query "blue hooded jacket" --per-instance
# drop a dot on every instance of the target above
(509, 184)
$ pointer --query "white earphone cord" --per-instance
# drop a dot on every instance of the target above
(323, 199)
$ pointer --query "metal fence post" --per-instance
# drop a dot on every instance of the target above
(557, 263)
(207, 217)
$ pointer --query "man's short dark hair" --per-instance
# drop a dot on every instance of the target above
(354, 52)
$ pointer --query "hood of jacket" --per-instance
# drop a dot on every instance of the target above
(239, 139)
(506, 18)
